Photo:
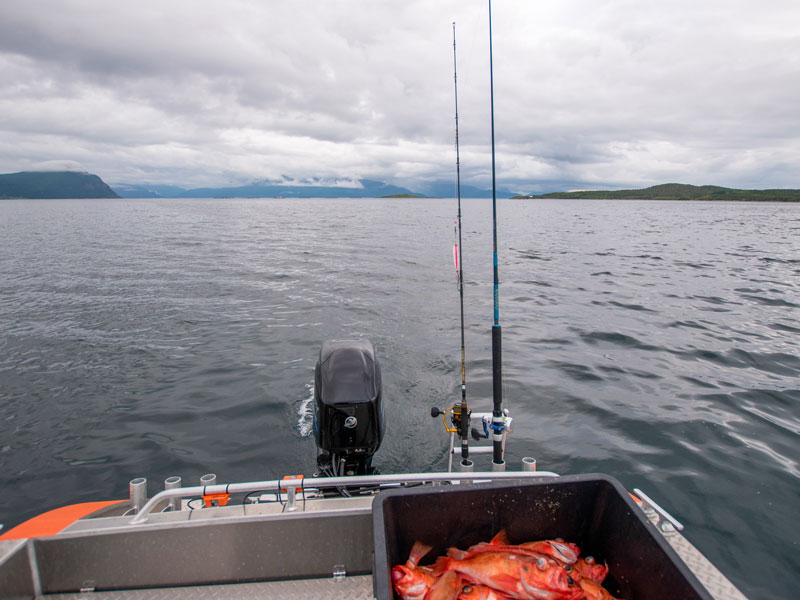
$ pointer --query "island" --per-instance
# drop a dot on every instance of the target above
(678, 191)
(53, 184)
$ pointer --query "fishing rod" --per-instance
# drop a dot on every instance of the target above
(459, 413)
(498, 428)
(461, 416)
(498, 423)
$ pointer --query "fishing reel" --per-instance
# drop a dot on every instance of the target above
(486, 421)
(459, 420)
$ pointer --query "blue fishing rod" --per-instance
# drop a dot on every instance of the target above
(498, 429)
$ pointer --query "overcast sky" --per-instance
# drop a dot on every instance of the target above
(588, 93)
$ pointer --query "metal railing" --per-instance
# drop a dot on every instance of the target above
(329, 482)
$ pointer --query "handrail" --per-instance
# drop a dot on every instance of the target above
(328, 482)
(648, 502)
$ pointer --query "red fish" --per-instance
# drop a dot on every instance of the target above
(588, 568)
(520, 550)
(447, 587)
(594, 591)
(515, 575)
(501, 539)
(410, 581)
(566, 552)
(480, 592)
(534, 549)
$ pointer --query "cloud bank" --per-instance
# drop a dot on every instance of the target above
(618, 93)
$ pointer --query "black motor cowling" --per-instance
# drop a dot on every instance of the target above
(348, 407)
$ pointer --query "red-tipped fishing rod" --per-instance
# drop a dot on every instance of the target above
(498, 430)
(459, 413)
(462, 422)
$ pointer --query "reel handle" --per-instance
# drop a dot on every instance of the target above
(478, 436)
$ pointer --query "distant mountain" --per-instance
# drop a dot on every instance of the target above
(53, 184)
(365, 188)
(447, 189)
(680, 191)
(312, 188)
(126, 190)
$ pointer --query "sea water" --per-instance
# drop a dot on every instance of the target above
(658, 342)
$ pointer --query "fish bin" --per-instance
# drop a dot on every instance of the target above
(593, 511)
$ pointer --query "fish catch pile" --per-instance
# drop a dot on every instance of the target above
(497, 570)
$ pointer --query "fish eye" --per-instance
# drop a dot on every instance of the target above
(466, 589)
(590, 559)
(570, 581)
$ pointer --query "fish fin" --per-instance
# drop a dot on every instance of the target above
(446, 587)
(441, 565)
(504, 582)
(424, 569)
(418, 550)
(501, 538)
(566, 552)
(601, 575)
(456, 554)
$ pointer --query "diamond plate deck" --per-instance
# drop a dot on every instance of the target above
(712, 578)
(714, 581)
(350, 588)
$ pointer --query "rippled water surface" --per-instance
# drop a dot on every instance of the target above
(657, 342)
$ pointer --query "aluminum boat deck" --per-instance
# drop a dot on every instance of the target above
(320, 548)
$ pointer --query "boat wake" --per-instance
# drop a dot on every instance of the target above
(305, 412)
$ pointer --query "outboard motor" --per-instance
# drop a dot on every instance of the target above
(348, 408)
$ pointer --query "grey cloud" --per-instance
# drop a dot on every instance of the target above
(612, 92)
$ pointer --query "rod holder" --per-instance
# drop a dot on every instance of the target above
(138, 493)
(528, 463)
(467, 467)
(291, 500)
(209, 479)
(171, 483)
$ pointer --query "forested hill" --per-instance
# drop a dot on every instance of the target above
(680, 191)
(53, 184)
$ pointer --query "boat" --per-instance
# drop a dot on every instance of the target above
(329, 536)
(339, 532)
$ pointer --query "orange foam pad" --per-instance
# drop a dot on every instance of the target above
(53, 521)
